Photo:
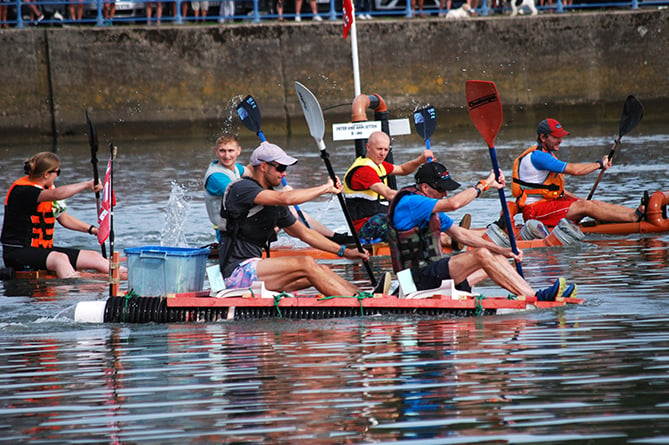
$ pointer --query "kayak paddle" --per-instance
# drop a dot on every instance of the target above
(93, 143)
(425, 121)
(485, 110)
(314, 117)
(630, 118)
(249, 112)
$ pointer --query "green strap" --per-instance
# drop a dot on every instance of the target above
(360, 295)
(277, 300)
(479, 307)
(130, 294)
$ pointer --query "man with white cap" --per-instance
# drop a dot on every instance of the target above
(538, 184)
(250, 212)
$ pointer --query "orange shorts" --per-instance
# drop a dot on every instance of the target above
(548, 212)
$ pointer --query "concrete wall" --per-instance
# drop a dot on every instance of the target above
(128, 74)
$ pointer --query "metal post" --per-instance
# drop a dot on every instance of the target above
(256, 12)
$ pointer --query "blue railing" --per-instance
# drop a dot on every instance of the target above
(56, 12)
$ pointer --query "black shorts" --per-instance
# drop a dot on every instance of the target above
(34, 258)
(431, 276)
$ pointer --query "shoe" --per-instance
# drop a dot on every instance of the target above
(40, 18)
(570, 291)
(221, 21)
(641, 214)
(465, 223)
(551, 293)
(297, 18)
(317, 18)
(501, 223)
(368, 17)
(58, 16)
(341, 238)
(383, 285)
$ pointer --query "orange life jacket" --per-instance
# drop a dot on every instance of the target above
(43, 220)
(552, 186)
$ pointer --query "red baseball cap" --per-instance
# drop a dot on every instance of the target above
(552, 127)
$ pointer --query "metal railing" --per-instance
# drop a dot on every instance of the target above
(55, 12)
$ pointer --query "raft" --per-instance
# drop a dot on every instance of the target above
(258, 303)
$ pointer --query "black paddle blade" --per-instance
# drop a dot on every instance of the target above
(92, 137)
(632, 114)
(425, 121)
(249, 112)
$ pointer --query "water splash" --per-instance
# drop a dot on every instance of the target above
(177, 212)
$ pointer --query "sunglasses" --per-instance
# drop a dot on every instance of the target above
(279, 167)
(57, 171)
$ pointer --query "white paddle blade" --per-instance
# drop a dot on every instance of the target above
(312, 113)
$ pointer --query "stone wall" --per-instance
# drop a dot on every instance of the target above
(167, 74)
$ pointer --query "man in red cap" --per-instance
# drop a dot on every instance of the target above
(538, 184)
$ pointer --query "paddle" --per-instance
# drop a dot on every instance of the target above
(425, 121)
(93, 143)
(485, 110)
(249, 112)
(314, 117)
(630, 118)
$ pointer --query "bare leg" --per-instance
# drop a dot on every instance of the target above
(296, 273)
(601, 211)
(89, 259)
(60, 264)
(497, 267)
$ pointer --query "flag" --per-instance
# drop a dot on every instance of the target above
(108, 200)
(348, 16)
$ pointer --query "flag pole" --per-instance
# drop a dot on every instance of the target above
(349, 28)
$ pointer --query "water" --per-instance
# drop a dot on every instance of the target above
(594, 374)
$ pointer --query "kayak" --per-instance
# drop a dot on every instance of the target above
(241, 304)
(655, 220)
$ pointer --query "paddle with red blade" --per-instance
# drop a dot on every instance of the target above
(93, 143)
(249, 112)
(485, 110)
(425, 122)
(314, 117)
(630, 118)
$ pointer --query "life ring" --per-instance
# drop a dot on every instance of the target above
(359, 114)
(655, 212)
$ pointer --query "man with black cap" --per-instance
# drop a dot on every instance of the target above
(538, 184)
(250, 212)
(416, 220)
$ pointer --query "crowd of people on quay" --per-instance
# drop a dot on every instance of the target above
(85, 12)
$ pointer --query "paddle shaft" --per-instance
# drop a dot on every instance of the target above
(342, 202)
(505, 210)
(601, 173)
(93, 142)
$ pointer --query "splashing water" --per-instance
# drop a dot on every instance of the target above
(176, 214)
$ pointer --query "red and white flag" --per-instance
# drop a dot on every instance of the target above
(108, 200)
(348, 15)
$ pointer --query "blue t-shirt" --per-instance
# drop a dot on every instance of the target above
(545, 161)
(415, 211)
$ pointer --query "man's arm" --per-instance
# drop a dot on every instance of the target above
(587, 167)
(411, 166)
(471, 239)
(315, 239)
(468, 195)
(295, 196)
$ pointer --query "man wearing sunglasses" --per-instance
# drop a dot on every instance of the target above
(416, 220)
(250, 212)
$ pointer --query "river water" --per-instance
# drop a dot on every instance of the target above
(596, 373)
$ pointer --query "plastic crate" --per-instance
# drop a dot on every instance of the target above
(158, 270)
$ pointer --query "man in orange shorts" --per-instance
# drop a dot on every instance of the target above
(538, 184)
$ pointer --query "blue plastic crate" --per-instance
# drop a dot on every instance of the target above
(159, 270)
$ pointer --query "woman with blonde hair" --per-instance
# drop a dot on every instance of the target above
(32, 206)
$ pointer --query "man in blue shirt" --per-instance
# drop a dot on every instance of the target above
(416, 219)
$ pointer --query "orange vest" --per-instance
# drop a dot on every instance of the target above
(552, 186)
(42, 220)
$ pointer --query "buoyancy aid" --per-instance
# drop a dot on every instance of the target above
(414, 248)
(364, 203)
(551, 187)
(253, 223)
(42, 221)
(213, 202)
